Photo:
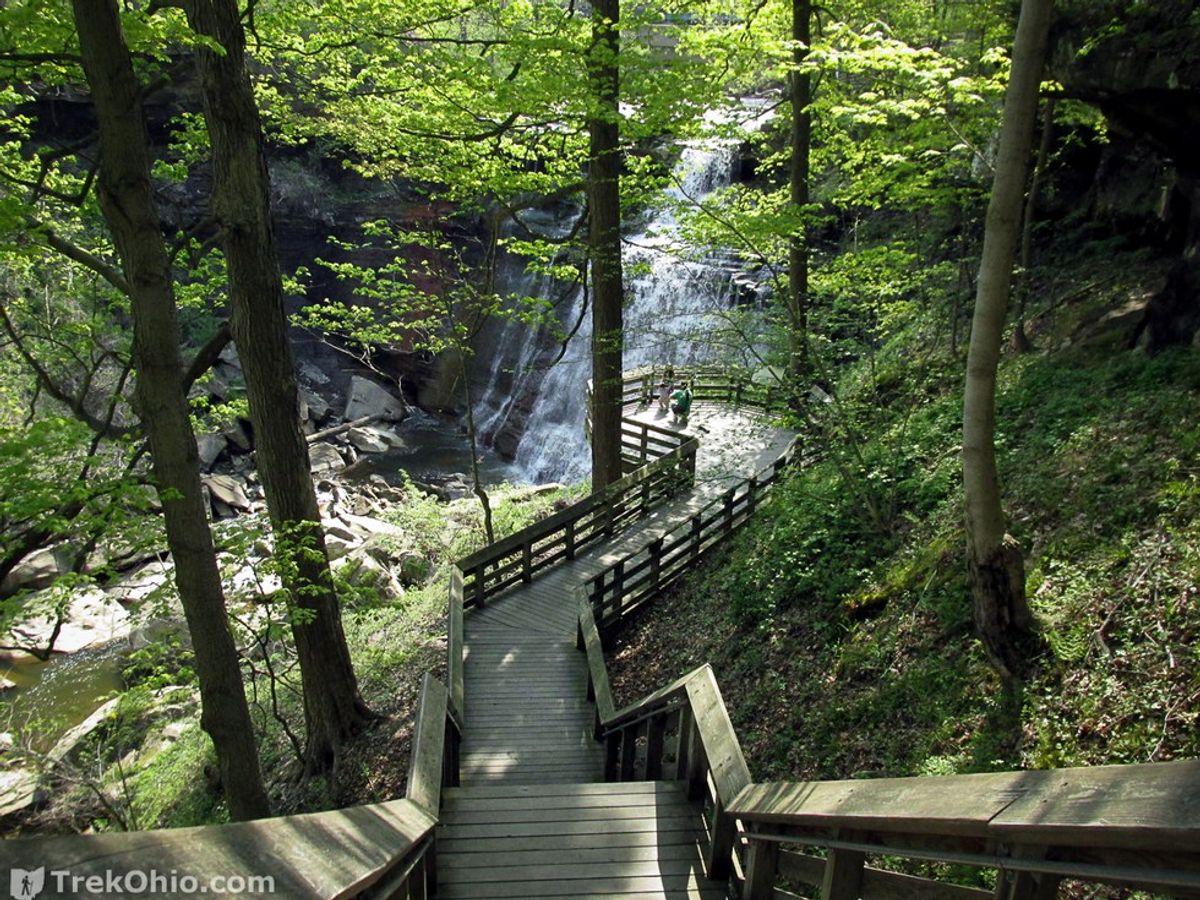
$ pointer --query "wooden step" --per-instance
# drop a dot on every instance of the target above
(589, 839)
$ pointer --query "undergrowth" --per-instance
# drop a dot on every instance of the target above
(839, 621)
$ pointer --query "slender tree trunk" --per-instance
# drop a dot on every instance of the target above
(333, 709)
(604, 186)
(127, 200)
(997, 572)
(1020, 341)
(801, 146)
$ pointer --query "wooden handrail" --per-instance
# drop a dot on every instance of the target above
(520, 556)
(628, 582)
(1133, 825)
(705, 749)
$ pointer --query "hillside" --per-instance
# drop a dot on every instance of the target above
(839, 622)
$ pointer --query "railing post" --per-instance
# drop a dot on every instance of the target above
(655, 551)
(729, 511)
(618, 586)
(570, 539)
(760, 870)
(751, 495)
(480, 589)
(695, 539)
(683, 740)
(612, 755)
(629, 736)
(655, 729)
(697, 765)
(527, 562)
(843, 875)
(1026, 886)
(720, 848)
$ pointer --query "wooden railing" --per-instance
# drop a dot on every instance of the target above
(380, 851)
(519, 557)
(1134, 826)
(681, 732)
(637, 577)
(731, 384)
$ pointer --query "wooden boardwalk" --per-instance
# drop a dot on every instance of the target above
(530, 771)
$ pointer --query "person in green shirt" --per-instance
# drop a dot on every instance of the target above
(681, 403)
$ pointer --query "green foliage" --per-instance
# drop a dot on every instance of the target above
(851, 646)
(162, 663)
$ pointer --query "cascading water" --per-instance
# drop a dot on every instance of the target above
(532, 407)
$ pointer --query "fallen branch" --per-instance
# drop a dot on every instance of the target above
(338, 429)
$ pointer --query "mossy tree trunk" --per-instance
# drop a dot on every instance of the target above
(334, 710)
(604, 203)
(126, 196)
(997, 573)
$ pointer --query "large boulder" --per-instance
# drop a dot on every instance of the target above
(366, 440)
(366, 398)
(90, 618)
(38, 570)
(211, 446)
(324, 457)
(226, 490)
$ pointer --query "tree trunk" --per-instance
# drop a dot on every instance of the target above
(604, 188)
(333, 709)
(801, 145)
(1020, 340)
(995, 565)
(127, 200)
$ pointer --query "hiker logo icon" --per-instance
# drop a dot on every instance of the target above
(25, 884)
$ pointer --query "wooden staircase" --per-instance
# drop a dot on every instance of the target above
(525, 781)
(636, 841)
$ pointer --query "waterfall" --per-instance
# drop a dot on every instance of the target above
(534, 411)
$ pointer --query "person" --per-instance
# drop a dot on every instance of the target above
(681, 403)
(664, 394)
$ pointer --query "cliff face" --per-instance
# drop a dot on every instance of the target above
(314, 199)
(1138, 63)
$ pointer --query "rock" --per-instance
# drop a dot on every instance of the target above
(366, 441)
(6, 741)
(70, 741)
(91, 618)
(520, 495)
(362, 570)
(324, 457)
(38, 570)
(229, 356)
(174, 730)
(337, 528)
(312, 373)
(366, 398)
(142, 583)
(388, 436)
(1118, 328)
(368, 526)
(318, 408)
(239, 436)
(228, 490)
(249, 580)
(210, 446)
(339, 547)
(216, 387)
(18, 790)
